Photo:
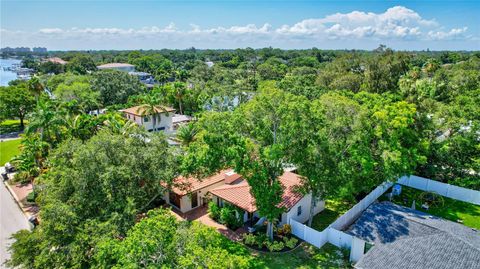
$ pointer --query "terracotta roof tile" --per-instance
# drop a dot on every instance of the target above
(113, 65)
(184, 185)
(56, 60)
(239, 194)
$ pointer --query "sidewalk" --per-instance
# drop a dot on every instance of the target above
(19, 193)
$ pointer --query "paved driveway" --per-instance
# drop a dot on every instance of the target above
(11, 220)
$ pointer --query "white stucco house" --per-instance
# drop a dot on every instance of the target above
(229, 187)
(163, 118)
(118, 66)
(190, 193)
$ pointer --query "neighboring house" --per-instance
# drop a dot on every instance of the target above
(163, 118)
(179, 120)
(56, 60)
(229, 187)
(118, 66)
(209, 64)
(190, 193)
(407, 238)
(145, 78)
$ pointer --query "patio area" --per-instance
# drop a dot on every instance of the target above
(201, 214)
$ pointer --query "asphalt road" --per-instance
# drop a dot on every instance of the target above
(11, 220)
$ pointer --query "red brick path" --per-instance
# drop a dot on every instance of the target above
(201, 214)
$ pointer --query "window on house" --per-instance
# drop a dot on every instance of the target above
(299, 210)
(145, 119)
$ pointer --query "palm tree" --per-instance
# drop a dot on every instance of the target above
(180, 90)
(116, 124)
(187, 134)
(47, 121)
(36, 87)
(151, 107)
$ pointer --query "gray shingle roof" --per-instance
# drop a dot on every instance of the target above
(406, 238)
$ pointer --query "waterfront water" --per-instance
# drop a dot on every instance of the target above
(7, 76)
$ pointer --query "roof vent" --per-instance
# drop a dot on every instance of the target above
(231, 177)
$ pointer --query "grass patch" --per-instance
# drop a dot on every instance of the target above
(8, 149)
(10, 126)
(305, 256)
(333, 210)
(452, 209)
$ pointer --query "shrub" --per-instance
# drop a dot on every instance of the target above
(21, 177)
(214, 210)
(31, 197)
(249, 239)
(286, 229)
(228, 216)
(290, 243)
(275, 245)
(261, 240)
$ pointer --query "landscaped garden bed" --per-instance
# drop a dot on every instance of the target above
(305, 256)
(281, 242)
(466, 213)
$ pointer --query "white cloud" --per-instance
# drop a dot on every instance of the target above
(455, 33)
(396, 24)
(51, 31)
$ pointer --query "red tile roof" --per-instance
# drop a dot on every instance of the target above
(56, 60)
(239, 194)
(114, 65)
(139, 110)
(184, 185)
(232, 177)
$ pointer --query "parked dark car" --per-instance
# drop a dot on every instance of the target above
(33, 220)
(9, 168)
(5, 176)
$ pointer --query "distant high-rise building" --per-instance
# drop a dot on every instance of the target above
(22, 49)
(19, 49)
(39, 50)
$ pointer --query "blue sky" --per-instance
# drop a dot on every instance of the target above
(128, 24)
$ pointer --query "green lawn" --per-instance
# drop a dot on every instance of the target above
(305, 256)
(8, 149)
(451, 209)
(10, 126)
(333, 210)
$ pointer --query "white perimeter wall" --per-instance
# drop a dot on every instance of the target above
(444, 189)
(331, 235)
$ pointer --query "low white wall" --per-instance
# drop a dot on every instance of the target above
(331, 235)
(351, 215)
(444, 189)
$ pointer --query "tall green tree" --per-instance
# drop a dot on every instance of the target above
(47, 121)
(151, 107)
(115, 86)
(93, 191)
(16, 102)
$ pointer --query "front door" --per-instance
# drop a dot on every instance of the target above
(194, 199)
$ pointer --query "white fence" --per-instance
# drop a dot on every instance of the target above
(335, 236)
(444, 189)
(351, 215)
(331, 235)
